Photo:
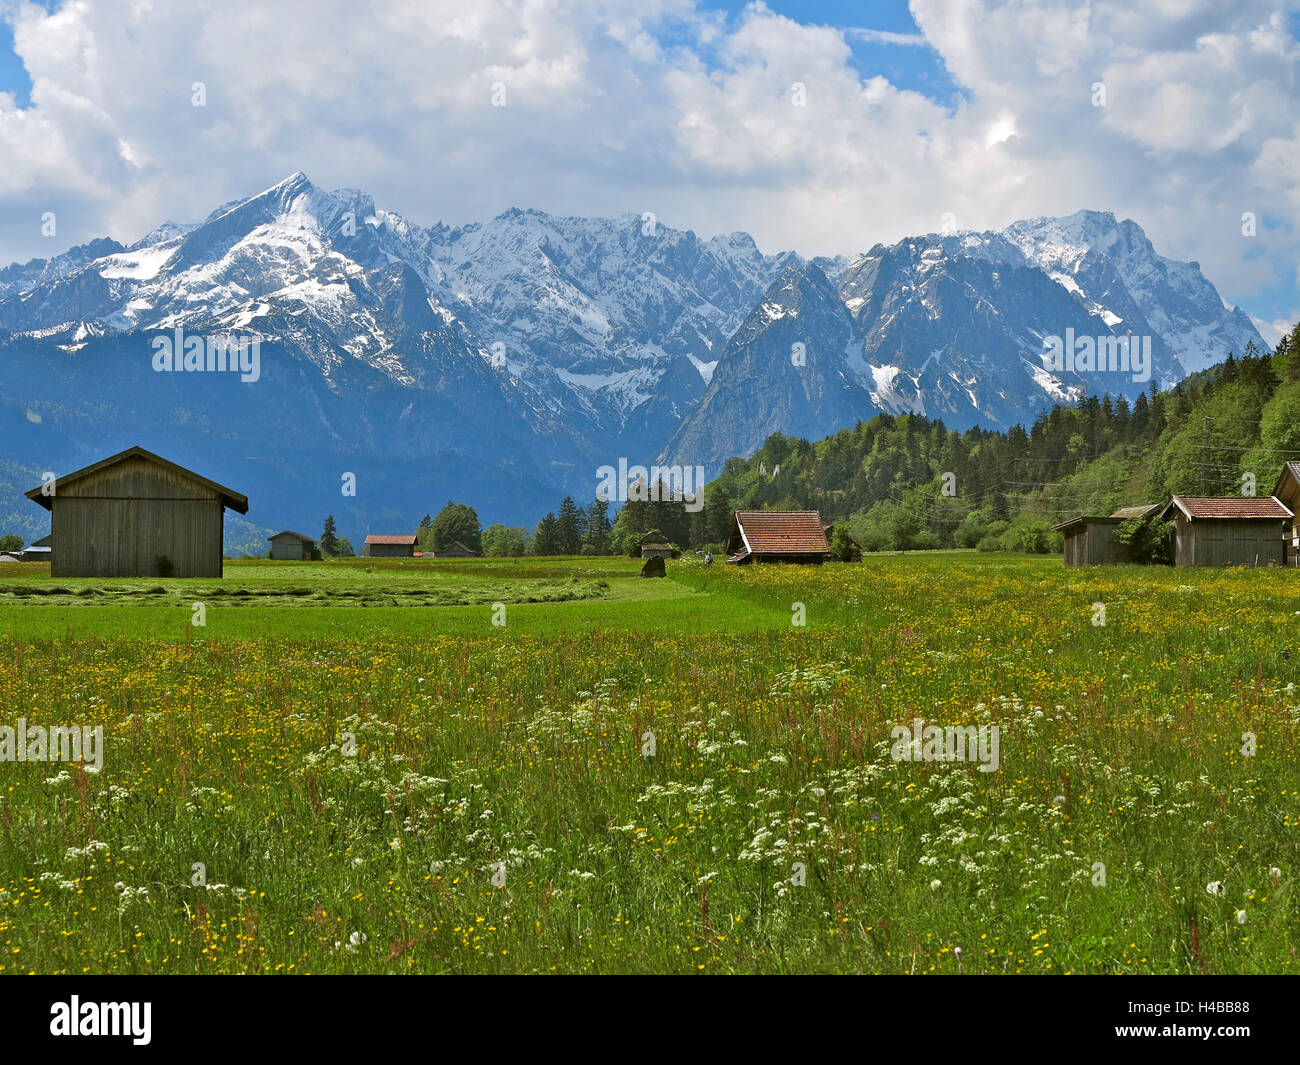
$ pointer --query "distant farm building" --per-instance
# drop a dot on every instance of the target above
(292, 547)
(1230, 531)
(379, 546)
(1287, 492)
(41, 550)
(134, 514)
(1090, 540)
(455, 549)
(777, 536)
(655, 549)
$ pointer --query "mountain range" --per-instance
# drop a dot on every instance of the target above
(500, 363)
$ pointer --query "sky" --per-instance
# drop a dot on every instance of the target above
(822, 126)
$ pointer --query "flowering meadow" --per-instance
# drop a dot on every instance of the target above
(659, 776)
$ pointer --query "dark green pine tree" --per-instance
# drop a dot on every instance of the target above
(597, 541)
(546, 537)
(329, 538)
(718, 513)
(569, 527)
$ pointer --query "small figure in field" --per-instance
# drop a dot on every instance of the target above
(708, 559)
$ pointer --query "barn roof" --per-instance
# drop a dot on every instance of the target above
(1085, 519)
(1108, 519)
(296, 535)
(1291, 470)
(380, 538)
(229, 497)
(782, 532)
(1232, 508)
(45, 541)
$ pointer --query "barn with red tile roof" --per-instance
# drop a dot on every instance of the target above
(777, 536)
(379, 545)
(1227, 531)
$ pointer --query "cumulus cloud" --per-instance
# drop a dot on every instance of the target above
(755, 121)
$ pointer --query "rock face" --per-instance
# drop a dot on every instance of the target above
(503, 362)
(654, 567)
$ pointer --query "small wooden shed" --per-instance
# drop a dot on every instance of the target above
(292, 546)
(1287, 492)
(655, 549)
(41, 550)
(135, 514)
(777, 536)
(456, 550)
(1227, 531)
(1090, 539)
(383, 546)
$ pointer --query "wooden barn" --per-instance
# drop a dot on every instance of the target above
(134, 514)
(41, 550)
(656, 549)
(292, 546)
(381, 546)
(1231, 531)
(456, 550)
(1287, 492)
(777, 536)
(1090, 540)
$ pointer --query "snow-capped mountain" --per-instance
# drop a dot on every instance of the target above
(960, 328)
(503, 361)
(1113, 264)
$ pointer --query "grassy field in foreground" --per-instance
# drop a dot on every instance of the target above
(500, 810)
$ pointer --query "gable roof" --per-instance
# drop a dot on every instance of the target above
(295, 535)
(1229, 507)
(380, 538)
(782, 532)
(1111, 519)
(229, 497)
(1086, 519)
(45, 541)
(1291, 470)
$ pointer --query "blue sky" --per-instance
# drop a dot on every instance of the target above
(13, 75)
(917, 67)
(975, 109)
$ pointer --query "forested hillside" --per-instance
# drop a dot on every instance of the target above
(909, 483)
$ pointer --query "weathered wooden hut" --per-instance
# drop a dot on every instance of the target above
(41, 550)
(777, 536)
(1090, 539)
(1287, 492)
(135, 514)
(1231, 531)
(292, 546)
(456, 550)
(656, 549)
(382, 546)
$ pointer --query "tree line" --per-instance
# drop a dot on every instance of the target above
(905, 482)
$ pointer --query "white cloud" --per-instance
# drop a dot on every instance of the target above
(665, 106)
(886, 37)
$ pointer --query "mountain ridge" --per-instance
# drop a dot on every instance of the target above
(538, 346)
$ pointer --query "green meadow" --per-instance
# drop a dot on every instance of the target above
(558, 766)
